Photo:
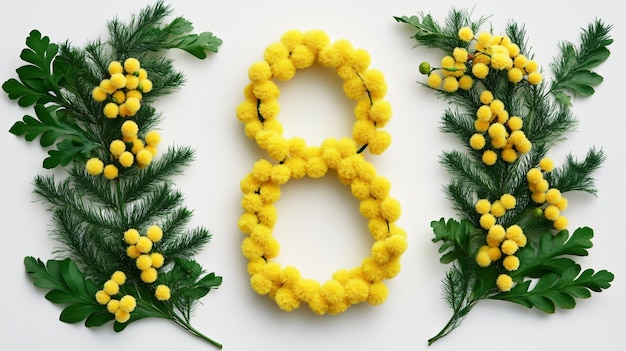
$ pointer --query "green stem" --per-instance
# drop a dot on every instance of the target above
(187, 326)
(120, 202)
(454, 321)
(362, 148)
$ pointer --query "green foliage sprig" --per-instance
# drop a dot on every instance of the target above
(98, 269)
(59, 77)
(508, 194)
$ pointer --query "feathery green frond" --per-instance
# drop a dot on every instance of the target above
(575, 175)
(432, 34)
(186, 244)
(171, 163)
(573, 75)
(117, 210)
(468, 173)
(503, 186)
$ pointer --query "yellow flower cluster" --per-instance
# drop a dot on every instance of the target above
(501, 243)
(497, 132)
(123, 89)
(551, 199)
(122, 307)
(489, 52)
(261, 187)
(140, 249)
(128, 151)
(299, 50)
(132, 150)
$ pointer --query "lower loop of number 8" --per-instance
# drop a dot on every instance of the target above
(295, 159)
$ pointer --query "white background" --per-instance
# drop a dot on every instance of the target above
(319, 226)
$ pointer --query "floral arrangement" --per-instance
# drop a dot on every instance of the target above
(294, 159)
(509, 194)
(125, 253)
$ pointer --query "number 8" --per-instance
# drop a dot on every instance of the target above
(295, 159)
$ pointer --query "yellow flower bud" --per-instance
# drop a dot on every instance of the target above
(115, 67)
(466, 34)
(149, 275)
(143, 262)
(162, 292)
(154, 233)
(111, 287)
(504, 282)
(111, 172)
(94, 166)
(131, 65)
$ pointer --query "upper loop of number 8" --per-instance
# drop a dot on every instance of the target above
(295, 159)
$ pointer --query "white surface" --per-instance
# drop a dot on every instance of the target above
(319, 226)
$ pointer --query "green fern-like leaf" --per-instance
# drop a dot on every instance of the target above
(67, 286)
(547, 256)
(553, 290)
(572, 69)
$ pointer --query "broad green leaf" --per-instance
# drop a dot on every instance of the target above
(449, 257)
(68, 150)
(73, 278)
(67, 285)
(548, 256)
(598, 56)
(41, 51)
(53, 160)
(119, 327)
(141, 313)
(41, 277)
(179, 26)
(553, 290)
(455, 238)
(572, 68)
(32, 264)
(61, 297)
(197, 44)
(210, 280)
(191, 268)
(78, 312)
(198, 292)
(30, 127)
(69, 139)
(596, 282)
(582, 82)
(90, 287)
(204, 285)
(37, 82)
(29, 72)
(412, 20)
(48, 138)
(54, 268)
(98, 319)
(59, 68)
(26, 96)
(562, 98)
